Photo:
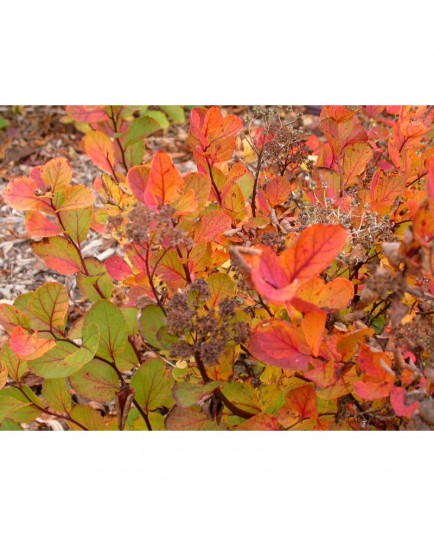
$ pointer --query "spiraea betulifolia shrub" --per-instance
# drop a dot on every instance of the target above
(286, 284)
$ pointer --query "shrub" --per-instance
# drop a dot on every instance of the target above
(290, 288)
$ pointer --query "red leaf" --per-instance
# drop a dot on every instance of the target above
(137, 179)
(397, 399)
(270, 277)
(164, 183)
(117, 267)
(87, 114)
(211, 225)
(378, 376)
(277, 343)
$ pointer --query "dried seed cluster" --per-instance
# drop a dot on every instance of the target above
(203, 331)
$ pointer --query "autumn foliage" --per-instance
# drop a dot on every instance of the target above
(285, 284)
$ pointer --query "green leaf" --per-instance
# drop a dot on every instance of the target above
(176, 113)
(112, 327)
(56, 394)
(88, 417)
(49, 306)
(98, 276)
(190, 419)
(189, 394)
(141, 128)
(54, 363)
(159, 117)
(14, 405)
(87, 350)
(152, 319)
(134, 153)
(8, 425)
(128, 359)
(77, 223)
(10, 405)
(135, 422)
(153, 385)
(96, 381)
(242, 395)
(16, 367)
(130, 315)
(3, 123)
(221, 286)
(11, 317)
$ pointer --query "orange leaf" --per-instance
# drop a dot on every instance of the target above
(74, 198)
(342, 133)
(316, 248)
(3, 374)
(99, 149)
(164, 183)
(313, 325)
(186, 204)
(384, 191)
(275, 342)
(277, 191)
(56, 173)
(356, 158)
(316, 294)
(262, 421)
(201, 186)
(300, 404)
(211, 136)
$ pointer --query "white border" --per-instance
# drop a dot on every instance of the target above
(226, 52)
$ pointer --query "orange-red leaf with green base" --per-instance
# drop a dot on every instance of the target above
(28, 345)
(59, 254)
